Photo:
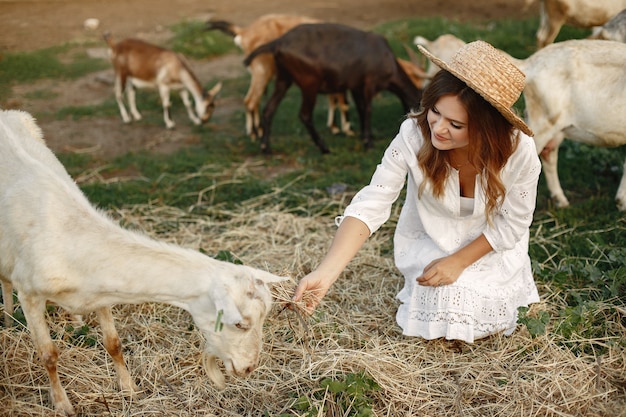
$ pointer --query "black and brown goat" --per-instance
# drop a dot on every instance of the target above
(331, 58)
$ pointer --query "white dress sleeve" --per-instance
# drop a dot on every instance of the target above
(372, 204)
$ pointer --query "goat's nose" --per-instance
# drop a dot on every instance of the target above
(250, 369)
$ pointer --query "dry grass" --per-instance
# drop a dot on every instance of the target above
(354, 330)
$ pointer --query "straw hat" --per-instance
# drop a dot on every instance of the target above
(491, 74)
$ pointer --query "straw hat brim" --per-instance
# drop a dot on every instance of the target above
(508, 113)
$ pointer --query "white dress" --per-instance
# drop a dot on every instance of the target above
(485, 298)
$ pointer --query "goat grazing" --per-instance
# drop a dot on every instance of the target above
(333, 58)
(613, 30)
(267, 28)
(56, 247)
(554, 14)
(567, 85)
(138, 64)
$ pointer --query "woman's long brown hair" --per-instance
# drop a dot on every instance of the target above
(491, 140)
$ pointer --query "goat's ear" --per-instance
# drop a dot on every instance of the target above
(216, 89)
(264, 276)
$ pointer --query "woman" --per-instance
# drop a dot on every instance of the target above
(461, 240)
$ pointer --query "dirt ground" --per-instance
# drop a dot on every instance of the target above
(33, 24)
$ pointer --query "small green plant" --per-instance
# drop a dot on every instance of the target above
(350, 396)
(81, 336)
(228, 256)
(536, 325)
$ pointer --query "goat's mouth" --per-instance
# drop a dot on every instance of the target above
(240, 371)
(214, 372)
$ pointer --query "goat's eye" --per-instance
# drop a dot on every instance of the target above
(242, 326)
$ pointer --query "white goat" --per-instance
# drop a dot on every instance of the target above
(577, 90)
(613, 30)
(267, 28)
(554, 14)
(56, 247)
(142, 65)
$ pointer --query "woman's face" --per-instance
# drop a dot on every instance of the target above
(448, 124)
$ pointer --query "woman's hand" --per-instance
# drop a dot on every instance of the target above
(442, 271)
(350, 236)
(316, 285)
(446, 270)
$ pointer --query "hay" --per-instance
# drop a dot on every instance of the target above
(353, 331)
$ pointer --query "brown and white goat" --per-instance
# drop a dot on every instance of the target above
(139, 64)
(56, 247)
(554, 14)
(262, 69)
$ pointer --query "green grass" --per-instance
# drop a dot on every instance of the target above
(578, 252)
(25, 67)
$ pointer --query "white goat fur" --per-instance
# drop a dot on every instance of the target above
(553, 14)
(142, 65)
(262, 69)
(56, 247)
(574, 89)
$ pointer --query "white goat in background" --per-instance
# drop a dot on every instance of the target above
(554, 14)
(140, 64)
(56, 247)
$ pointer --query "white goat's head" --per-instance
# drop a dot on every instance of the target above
(206, 106)
(234, 328)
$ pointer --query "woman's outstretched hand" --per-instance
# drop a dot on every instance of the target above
(311, 289)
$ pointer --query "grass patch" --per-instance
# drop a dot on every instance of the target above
(27, 67)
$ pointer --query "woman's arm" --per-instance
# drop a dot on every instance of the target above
(350, 236)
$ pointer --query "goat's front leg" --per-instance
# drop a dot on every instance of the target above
(330, 120)
(34, 308)
(7, 300)
(113, 345)
(132, 101)
(344, 107)
(164, 92)
(184, 95)
(120, 83)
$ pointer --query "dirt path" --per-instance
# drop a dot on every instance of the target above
(33, 24)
